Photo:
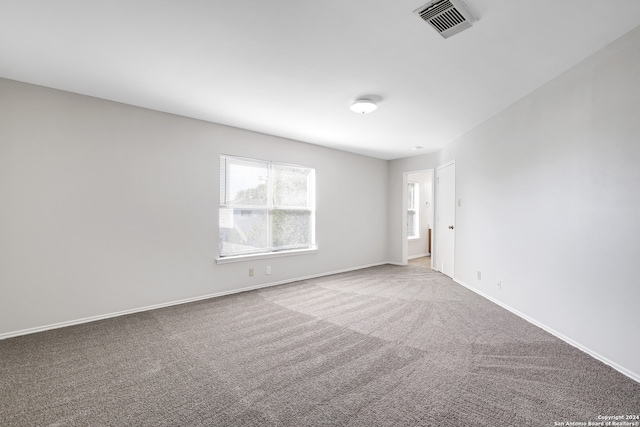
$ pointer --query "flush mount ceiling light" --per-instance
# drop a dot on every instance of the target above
(363, 106)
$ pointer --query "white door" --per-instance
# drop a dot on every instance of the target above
(445, 218)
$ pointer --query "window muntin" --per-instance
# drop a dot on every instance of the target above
(413, 215)
(265, 207)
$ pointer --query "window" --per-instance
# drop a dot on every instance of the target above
(413, 216)
(265, 207)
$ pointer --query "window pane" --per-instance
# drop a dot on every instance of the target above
(411, 230)
(410, 195)
(246, 232)
(246, 183)
(291, 228)
(412, 209)
(290, 186)
(264, 206)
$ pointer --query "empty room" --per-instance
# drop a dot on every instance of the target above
(342, 213)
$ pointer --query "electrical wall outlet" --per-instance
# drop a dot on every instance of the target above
(268, 269)
(251, 272)
(479, 275)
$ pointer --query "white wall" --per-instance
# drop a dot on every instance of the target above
(550, 192)
(107, 207)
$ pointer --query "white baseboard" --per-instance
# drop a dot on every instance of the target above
(634, 376)
(178, 302)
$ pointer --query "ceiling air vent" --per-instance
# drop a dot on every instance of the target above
(448, 17)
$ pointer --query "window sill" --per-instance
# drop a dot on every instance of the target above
(252, 257)
(413, 238)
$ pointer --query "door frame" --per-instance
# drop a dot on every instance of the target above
(436, 220)
(405, 242)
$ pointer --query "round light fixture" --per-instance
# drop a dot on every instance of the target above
(363, 106)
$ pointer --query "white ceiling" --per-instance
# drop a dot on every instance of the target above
(292, 68)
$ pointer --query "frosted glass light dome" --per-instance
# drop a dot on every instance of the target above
(363, 106)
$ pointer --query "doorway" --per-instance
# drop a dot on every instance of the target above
(417, 216)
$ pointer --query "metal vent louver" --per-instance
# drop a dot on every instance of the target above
(447, 17)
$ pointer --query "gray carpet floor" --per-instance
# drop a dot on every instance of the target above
(384, 346)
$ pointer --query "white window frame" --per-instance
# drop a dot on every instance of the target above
(413, 203)
(270, 251)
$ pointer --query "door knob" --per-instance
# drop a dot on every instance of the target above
(451, 227)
